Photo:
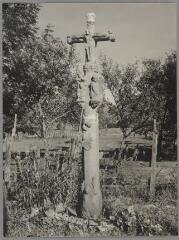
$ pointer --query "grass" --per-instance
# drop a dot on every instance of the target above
(147, 218)
(126, 206)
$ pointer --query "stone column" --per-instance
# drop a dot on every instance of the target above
(92, 198)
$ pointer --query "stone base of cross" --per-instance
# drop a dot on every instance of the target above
(90, 97)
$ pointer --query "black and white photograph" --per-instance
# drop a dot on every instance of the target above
(89, 95)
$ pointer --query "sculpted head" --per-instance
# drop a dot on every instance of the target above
(90, 17)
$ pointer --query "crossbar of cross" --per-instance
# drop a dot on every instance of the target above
(98, 37)
(90, 32)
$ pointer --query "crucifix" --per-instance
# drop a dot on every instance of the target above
(90, 97)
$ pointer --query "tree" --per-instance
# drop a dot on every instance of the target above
(54, 93)
(142, 95)
(122, 83)
(19, 28)
(41, 86)
(168, 132)
(160, 81)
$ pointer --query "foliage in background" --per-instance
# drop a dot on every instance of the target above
(37, 71)
(142, 94)
(41, 72)
(19, 30)
(55, 88)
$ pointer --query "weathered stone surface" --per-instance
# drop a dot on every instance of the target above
(90, 96)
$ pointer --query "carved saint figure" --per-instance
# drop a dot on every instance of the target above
(96, 90)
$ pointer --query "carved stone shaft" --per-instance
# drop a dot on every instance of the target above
(90, 97)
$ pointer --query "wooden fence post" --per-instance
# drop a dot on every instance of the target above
(7, 172)
(42, 121)
(153, 161)
(8, 154)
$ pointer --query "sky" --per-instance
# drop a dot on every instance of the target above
(142, 30)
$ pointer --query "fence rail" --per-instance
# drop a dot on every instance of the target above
(51, 134)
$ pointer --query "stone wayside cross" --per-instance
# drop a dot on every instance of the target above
(90, 97)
